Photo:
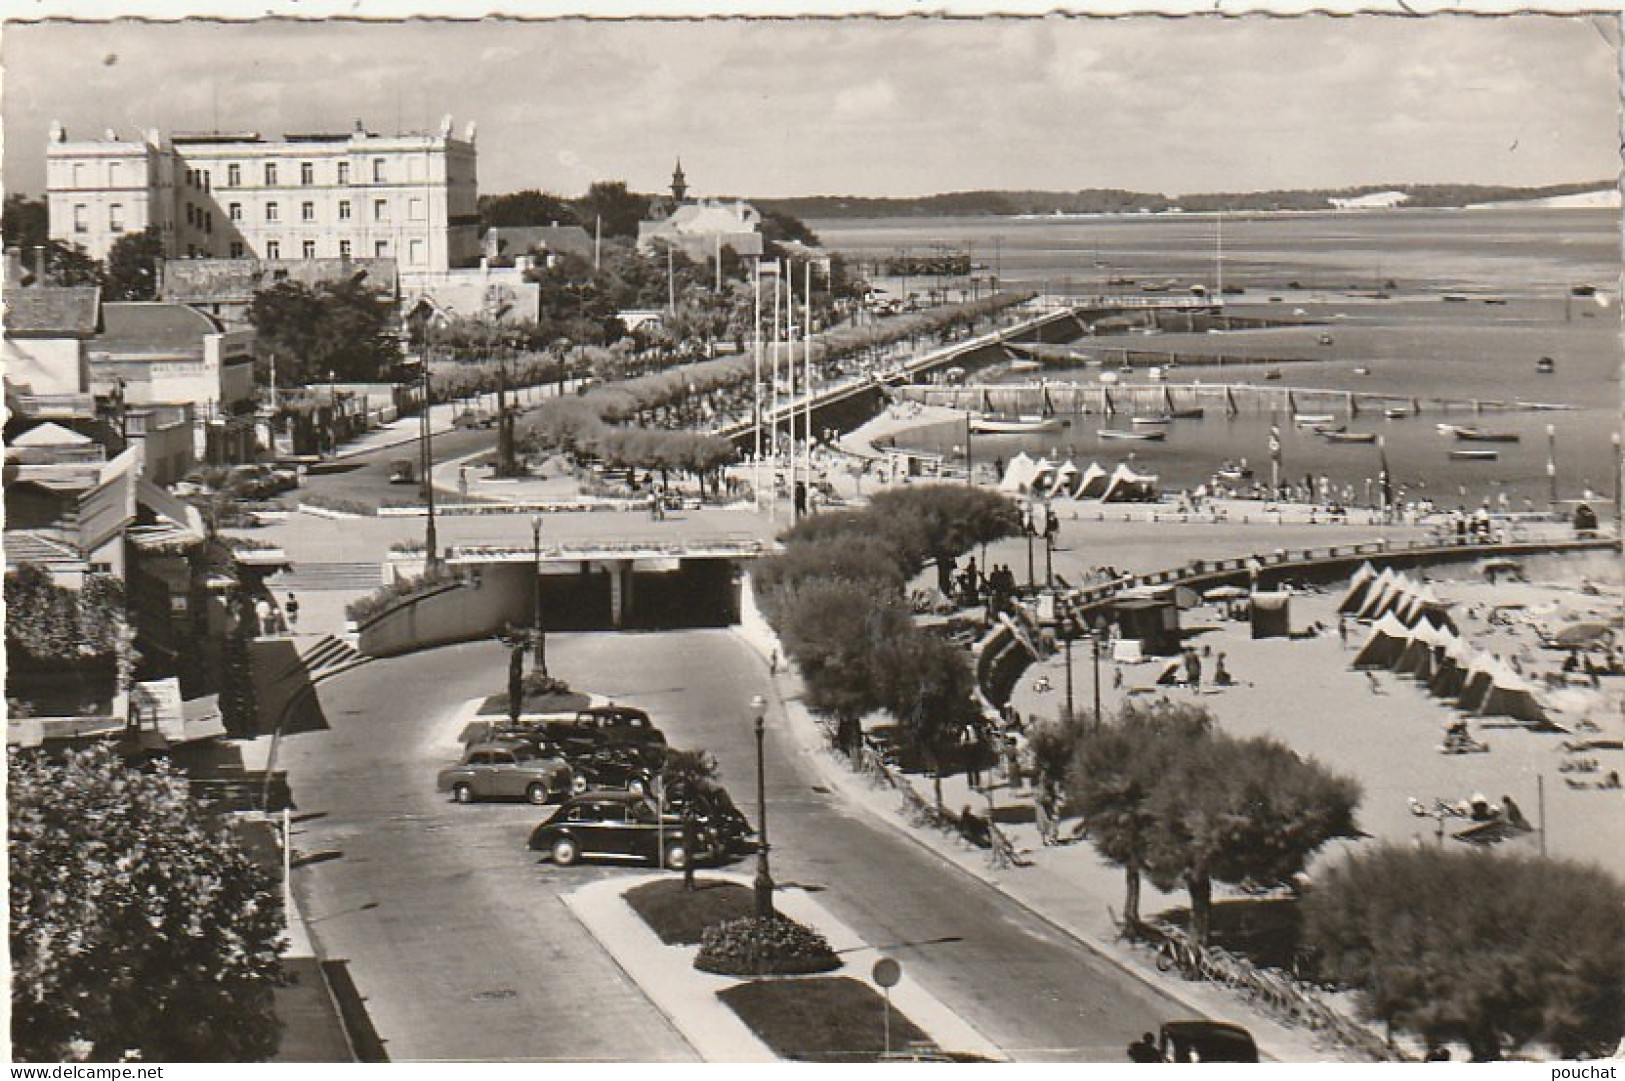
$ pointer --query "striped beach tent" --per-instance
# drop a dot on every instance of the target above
(1384, 645)
(1417, 657)
(1043, 476)
(1354, 596)
(1374, 592)
(1450, 669)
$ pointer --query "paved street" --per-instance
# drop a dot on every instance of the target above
(460, 944)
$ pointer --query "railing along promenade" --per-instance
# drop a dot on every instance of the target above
(946, 355)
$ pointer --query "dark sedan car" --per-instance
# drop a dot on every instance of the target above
(618, 728)
(617, 826)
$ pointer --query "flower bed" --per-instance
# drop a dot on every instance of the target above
(774, 946)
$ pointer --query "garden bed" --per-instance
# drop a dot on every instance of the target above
(681, 916)
(825, 1019)
(570, 702)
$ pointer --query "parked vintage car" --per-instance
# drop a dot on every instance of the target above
(613, 826)
(620, 728)
(507, 769)
(1206, 1041)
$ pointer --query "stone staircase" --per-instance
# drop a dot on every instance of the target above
(351, 577)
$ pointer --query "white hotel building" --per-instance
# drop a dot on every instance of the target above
(410, 198)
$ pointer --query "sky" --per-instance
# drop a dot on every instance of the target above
(852, 106)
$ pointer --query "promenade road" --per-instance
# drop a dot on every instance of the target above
(455, 932)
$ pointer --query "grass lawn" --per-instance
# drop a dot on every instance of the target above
(497, 704)
(679, 916)
(820, 1019)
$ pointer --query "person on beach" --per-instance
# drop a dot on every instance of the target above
(1221, 674)
(291, 607)
(1044, 812)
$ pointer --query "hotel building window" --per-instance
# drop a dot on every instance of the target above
(236, 249)
(113, 174)
(307, 173)
(380, 249)
(273, 249)
(234, 175)
(344, 249)
(380, 210)
(344, 172)
(271, 212)
(115, 217)
(309, 249)
(208, 180)
(78, 174)
(378, 170)
(208, 222)
(344, 210)
(270, 174)
(416, 252)
(307, 211)
(414, 209)
(234, 211)
(81, 218)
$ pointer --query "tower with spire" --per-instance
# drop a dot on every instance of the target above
(679, 185)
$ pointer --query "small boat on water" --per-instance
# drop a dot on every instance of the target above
(1329, 429)
(1396, 412)
(1193, 413)
(1309, 420)
(1325, 339)
(1026, 365)
(1474, 455)
(1155, 436)
(1350, 437)
(1448, 429)
(1479, 435)
(1273, 373)
(1362, 371)
(1022, 425)
(1160, 418)
(1545, 366)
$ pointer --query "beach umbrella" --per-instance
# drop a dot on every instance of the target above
(1224, 593)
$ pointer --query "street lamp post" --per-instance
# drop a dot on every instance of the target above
(431, 546)
(764, 877)
(1071, 629)
(1551, 463)
(1094, 644)
(1027, 528)
(538, 633)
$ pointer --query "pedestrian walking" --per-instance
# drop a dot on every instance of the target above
(291, 607)
(800, 499)
(1343, 630)
(970, 746)
(691, 843)
(462, 481)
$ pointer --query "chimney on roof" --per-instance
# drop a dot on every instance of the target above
(360, 129)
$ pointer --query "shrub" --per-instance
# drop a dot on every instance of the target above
(385, 597)
(772, 946)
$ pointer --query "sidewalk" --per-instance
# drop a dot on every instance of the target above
(1069, 887)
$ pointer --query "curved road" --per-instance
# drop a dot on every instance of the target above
(458, 939)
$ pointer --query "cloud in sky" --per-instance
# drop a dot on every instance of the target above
(859, 106)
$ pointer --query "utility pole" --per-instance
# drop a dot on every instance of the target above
(431, 561)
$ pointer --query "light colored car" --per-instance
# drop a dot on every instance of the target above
(506, 769)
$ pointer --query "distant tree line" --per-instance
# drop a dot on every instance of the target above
(1118, 201)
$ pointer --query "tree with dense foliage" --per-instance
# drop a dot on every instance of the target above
(342, 328)
(132, 266)
(239, 705)
(1115, 773)
(525, 208)
(927, 684)
(610, 205)
(836, 631)
(858, 558)
(940, 522)
(50, 623)
(70, 265)
(25, 223)
(1247, 812)
(1497, 951)
(139, 928)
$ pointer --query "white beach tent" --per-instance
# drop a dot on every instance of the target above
(1374, 589)
(1092, 482)
(1065, 479)
(1380, 600)
(1415, 604)
(1018, 474)
(1127, 486)
(1401, 589)
(1450, 669)
(1510, 695)
(1417, 657)
(1476, 684)
(1354, 596)
(1383, 646)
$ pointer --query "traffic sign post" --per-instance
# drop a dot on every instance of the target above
(886, 973)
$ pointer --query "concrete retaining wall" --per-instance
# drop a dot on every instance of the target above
(458, 612)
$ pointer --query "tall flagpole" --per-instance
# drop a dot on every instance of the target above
(756, 462)
(806, 378)
(773, 399)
